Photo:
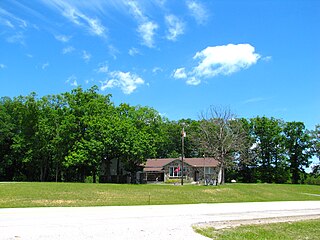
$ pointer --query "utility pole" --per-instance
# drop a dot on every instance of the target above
(183, 135)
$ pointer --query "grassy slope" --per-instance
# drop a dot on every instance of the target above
(79, 194)
(275, 231)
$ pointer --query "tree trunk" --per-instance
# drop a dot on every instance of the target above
(94, 175)
(118, 170)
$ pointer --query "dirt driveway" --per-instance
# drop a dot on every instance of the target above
(139, 222)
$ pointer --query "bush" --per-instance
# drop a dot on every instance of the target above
(173, 181)
(312, 180)
(89, 179)
(177, 180)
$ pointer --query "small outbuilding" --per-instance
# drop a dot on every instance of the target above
(194, 169)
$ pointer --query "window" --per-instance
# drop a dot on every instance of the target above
(175, 171)
(208, 170)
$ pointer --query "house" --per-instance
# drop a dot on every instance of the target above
(194, 169)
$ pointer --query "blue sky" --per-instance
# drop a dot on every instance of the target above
(260, 58)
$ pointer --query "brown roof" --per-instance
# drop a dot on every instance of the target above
(158, 164)
(202, 162)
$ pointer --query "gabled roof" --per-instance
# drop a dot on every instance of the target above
(156, 165)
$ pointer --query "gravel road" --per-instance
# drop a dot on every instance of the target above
(139, 222)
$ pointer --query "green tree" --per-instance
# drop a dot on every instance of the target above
(86, 119)
(246, 169)
(270, 149)
(138, 134)
(7, 129)
(298, 145)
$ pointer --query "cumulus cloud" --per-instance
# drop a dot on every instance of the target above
(127, 81)
(226, 59)
(219, 60)
(198, 11)
(180, 73)
(147, 32)
(193, 81)
(175, 27)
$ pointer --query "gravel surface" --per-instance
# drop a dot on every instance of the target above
(139, 222)
(236, 223)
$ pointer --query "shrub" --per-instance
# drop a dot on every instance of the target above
(312, 180)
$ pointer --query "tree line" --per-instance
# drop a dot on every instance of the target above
(68, 136)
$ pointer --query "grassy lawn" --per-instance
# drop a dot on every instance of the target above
(81, 194)
(275, 231)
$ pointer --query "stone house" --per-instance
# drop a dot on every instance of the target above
(194, 170)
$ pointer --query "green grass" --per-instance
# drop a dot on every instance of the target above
(81, 194)
(275, 231)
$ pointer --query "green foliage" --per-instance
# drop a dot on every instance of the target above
(312, 180)
(298, 145)
(269, 148)
(66, 137)
(73, 135)
(173, 181)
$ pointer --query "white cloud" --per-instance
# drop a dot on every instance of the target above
(128, 82)
(155, 70)
(69, 10)
(63, 38)
(113, 51)
(267, 58)
(87, 81)
(18, 37)
(136, 11)
(193, 81)
(254, 100)
(45, 65)
(146, 28)
(180, 73)
(133, 51)
(103, 68)
(175, 27)
(218, 60)
(7, 23)
(68, 49)
(224, 60)
(147, 32)
(198, 11)
(2, 66)
(78, 18)
(72, 80)
(10, 20)
(86, 56)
